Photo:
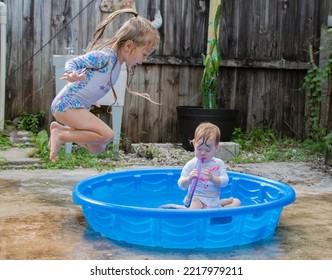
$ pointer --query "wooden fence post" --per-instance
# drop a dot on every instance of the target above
(326, 103)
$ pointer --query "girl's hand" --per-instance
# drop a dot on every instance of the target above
(192, 175)
(187, 181)
(208, 174)
(72, 76)
(213, 179)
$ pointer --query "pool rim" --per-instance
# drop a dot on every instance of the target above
(80, 199)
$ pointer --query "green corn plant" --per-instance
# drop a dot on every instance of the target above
(208, 83)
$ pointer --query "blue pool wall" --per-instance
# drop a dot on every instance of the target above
(124, 206)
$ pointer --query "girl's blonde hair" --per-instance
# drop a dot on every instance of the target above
(137, 29)
(206, 131)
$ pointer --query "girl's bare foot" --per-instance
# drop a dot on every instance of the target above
(226, 201)
(52, 126)
(230, 202)
(56, 125)
(55, 144)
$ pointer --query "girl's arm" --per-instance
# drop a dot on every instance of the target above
(187, 174)
(220, 180)
(185, 181)
(93, 60)
(72, 76)
(223, 176)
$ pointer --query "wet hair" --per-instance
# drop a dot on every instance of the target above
(205, 131)
(137, 29)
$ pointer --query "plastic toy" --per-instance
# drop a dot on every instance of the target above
(193, 184)
(124, 206)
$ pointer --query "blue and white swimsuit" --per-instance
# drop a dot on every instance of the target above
(206, 192)
(97, 66)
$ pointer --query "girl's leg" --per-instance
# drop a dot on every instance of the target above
(230, 202)
(84, 128)
(226, 201)
(196, 204)
(56, 125)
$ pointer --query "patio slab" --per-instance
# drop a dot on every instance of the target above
(38, 220)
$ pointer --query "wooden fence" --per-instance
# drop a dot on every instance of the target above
(264, 46)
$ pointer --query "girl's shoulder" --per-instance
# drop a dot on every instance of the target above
(108, 54)
(217, 161)
(100, 58)
(100, 54)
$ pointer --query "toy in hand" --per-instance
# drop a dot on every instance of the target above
(193, 184)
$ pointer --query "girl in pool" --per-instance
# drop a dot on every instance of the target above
(91, 76)
(213, 176)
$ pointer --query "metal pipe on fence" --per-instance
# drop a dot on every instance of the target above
(3, 32)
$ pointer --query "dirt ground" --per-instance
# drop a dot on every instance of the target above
(38, 219)
(307, 223)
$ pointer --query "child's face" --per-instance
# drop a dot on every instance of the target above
(206, 150)
(137, 55)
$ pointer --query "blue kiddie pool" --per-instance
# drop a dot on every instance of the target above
(125, 206)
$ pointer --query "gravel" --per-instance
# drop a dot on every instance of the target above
(154, 155)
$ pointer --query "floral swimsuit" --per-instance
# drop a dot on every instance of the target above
(97, 82)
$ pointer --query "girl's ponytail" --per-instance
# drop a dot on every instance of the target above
(102, 26)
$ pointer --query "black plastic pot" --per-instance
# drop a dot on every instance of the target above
(189, 117)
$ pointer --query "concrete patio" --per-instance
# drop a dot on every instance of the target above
(38, 220)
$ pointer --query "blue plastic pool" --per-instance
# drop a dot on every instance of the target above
(124, 206)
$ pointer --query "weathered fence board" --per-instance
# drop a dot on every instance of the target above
(264, 46)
